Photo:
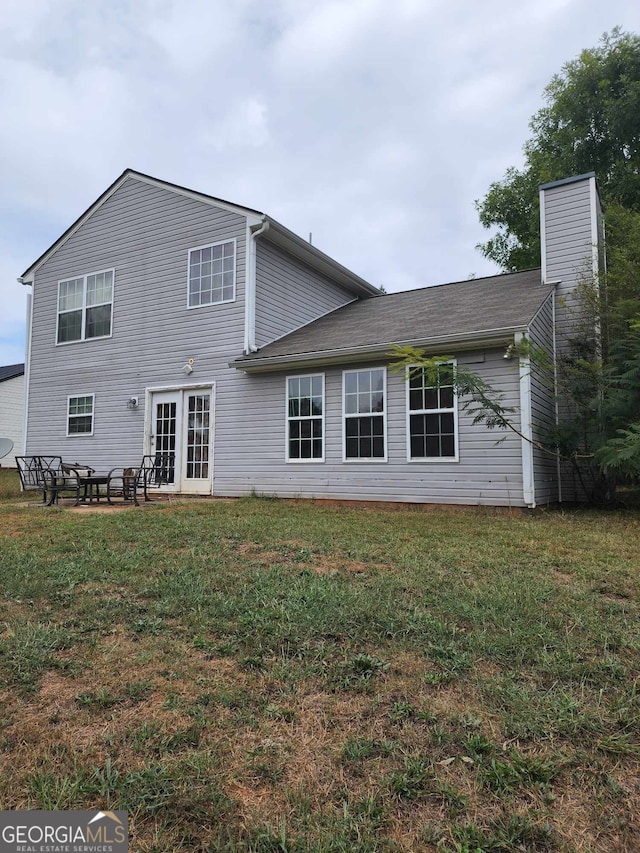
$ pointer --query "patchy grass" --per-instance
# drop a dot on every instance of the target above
(266, 675)
(10, 485)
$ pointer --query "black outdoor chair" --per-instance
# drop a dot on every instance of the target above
(128, 483)
(49, 475)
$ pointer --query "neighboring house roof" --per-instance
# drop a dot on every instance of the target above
(11, 371)
(474, 312)
(270, 230)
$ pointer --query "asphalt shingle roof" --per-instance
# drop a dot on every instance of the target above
(11, 371)
(458, 309)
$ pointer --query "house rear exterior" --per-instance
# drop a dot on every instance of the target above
(165, 321)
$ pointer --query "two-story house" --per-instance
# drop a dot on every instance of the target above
(168, 321)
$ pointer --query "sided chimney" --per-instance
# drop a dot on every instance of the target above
(572, 249)
(572, 244)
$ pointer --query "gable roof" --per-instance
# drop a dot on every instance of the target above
(11, 371)
(465, 313)
(274, 232)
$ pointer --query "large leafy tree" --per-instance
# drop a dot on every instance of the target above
(591, 122)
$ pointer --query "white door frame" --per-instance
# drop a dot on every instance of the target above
(149, 426)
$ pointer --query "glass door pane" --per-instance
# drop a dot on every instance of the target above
(198, 439)
(165, 435)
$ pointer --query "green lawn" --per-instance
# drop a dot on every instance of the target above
(263, 675)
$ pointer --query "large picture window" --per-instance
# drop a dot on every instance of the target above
(85, 306)
(80, 415)
(305, 418)
(212, 274)
(432, 415)
(364, 414)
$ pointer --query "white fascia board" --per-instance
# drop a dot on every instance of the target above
(309, 254)
(252, 218)
(28, 276)
(491, 338)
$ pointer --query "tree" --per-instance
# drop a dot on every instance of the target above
(591, 123)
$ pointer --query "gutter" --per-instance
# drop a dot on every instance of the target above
(366, 352)
(250, 286)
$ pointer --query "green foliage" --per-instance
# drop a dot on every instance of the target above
(477, 396)
(591, 123)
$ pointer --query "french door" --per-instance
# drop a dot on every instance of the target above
(180, 439)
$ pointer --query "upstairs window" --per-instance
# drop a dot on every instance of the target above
(212, 274)
(432, 415)
(80, 415)
(85, 307)
(305, 413)
(364, 414)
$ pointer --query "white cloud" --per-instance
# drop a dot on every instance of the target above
(374, 126)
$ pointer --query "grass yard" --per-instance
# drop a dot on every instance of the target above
(262, 675)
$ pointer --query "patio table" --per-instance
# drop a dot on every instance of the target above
(91, 484)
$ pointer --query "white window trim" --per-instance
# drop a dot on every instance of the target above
(93, 415)
(383, 415)
(235, 266)
(438, 460)
(311, 417)
(82, 338)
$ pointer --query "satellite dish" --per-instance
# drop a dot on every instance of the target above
(6, 446)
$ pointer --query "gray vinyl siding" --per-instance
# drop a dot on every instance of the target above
(144, 233)
(569, 241)
(12, 417)
(254, 410)
(572, 229)
(543, 406)
(289, 294)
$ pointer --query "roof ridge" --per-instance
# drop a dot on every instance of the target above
(463, 281)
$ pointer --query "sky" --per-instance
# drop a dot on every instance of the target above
(372, 125)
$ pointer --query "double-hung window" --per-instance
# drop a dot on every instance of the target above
(80, 415)
(432, 415)
(85, 307)
(212, 274)
(305, 418)
(364, 414)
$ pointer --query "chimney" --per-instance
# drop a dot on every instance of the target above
(572, 244)
(572, 249)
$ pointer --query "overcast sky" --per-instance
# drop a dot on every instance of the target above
(372, 124)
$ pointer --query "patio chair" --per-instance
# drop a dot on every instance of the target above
(47, 474)
(154, 471)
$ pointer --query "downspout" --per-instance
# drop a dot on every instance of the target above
(250, 287)
(526, 427)
(27, 365)
(555, 391)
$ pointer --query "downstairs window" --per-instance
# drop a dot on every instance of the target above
(432, 415)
